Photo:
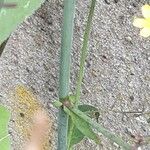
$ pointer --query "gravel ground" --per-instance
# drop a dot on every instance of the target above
(117, 76)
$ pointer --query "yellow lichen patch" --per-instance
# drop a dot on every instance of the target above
(26, 100)
(26, 108)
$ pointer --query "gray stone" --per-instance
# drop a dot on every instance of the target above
(117, 75)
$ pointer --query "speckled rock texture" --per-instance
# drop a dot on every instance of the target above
(117, 75)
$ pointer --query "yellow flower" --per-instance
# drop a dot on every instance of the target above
(144, 23)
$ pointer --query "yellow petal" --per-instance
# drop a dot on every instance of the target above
(145, 32)
(147, 23)
(139, 22)
(146, 11)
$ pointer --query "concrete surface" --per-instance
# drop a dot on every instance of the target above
(117, 76)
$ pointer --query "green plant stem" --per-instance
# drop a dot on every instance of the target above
(64, 77)
(101, 129)
(84, 51)
(82, 62)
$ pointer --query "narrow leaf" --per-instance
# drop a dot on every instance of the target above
(82, 125)
(84, 50)
(113, 137)
(74, 135)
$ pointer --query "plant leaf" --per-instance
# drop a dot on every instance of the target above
(4, 118)
(11, 17)
(82, 125)
(74, 134)
(90, 110)
(85, 108)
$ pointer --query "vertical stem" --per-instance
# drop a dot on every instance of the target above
(65, 61)
(84, 51)
(82, 62)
